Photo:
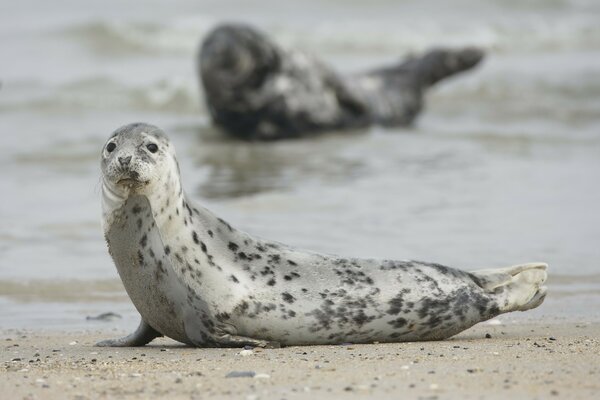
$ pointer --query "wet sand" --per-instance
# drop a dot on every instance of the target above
(527, 360)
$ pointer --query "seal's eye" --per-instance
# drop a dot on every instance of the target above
(152, 148)
(110, 147)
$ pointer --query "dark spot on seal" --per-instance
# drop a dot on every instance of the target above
(241, 308)
(226, 224)
(140, 258)
(361, 318)
(189, 269)
(288, 298)
(232, 246)
(162, 269)
(398, 322)
(167, 250)
(210, 233)
(139, 223)
(234, 279)
(136, 209)
(203, 247)
(195, 237)
(222, 316)
(291, 262)
(271, 282)
(397, 302)
(291, 276)
(274, 259)
(144, 240)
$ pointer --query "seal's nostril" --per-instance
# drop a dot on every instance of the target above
(124, 161)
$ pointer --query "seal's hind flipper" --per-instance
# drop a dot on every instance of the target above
(516, 288)
(143, 335)
(439, 64)
(490, 279)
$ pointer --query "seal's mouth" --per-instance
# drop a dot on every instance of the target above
(129, 182)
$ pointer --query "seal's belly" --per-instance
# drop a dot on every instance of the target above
(136, 247)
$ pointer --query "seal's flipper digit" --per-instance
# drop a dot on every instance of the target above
(241, 341)
(143, 335)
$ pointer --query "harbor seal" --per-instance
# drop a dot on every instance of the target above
(196, 279)
(255, 89)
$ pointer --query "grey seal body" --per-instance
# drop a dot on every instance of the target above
(256, 89)
(196, 279)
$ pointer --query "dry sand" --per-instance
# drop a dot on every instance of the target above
(528, 361)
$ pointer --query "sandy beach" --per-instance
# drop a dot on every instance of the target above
(517, 361)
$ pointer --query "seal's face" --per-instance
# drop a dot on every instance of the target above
(236, 56)
(135, 158)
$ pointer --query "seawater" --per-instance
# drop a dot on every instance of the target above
(502, 167)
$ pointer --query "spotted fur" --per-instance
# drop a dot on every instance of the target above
(196, 279)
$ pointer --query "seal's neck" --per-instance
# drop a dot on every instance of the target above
(167, 203)
(171, 211)
(164, 194)
(113, 199)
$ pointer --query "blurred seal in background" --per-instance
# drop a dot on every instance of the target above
(255, 89)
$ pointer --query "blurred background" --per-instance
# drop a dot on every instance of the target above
(502, 167)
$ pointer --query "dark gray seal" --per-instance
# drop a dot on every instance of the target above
(255, 89)
(195, 278)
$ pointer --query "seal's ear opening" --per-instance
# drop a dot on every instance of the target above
(234, 56)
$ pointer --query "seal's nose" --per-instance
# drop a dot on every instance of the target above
(124, 161)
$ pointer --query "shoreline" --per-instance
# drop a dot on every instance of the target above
(521, 360)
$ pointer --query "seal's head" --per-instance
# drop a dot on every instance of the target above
(234, 57)
(136, 159)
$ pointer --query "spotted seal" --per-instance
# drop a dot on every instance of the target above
(255, 89)
(196, 279)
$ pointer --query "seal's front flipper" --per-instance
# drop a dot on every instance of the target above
(241, 341)
(143, 335)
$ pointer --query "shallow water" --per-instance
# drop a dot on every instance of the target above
(502, 167)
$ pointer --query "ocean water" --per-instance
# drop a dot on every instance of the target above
(503, 167)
